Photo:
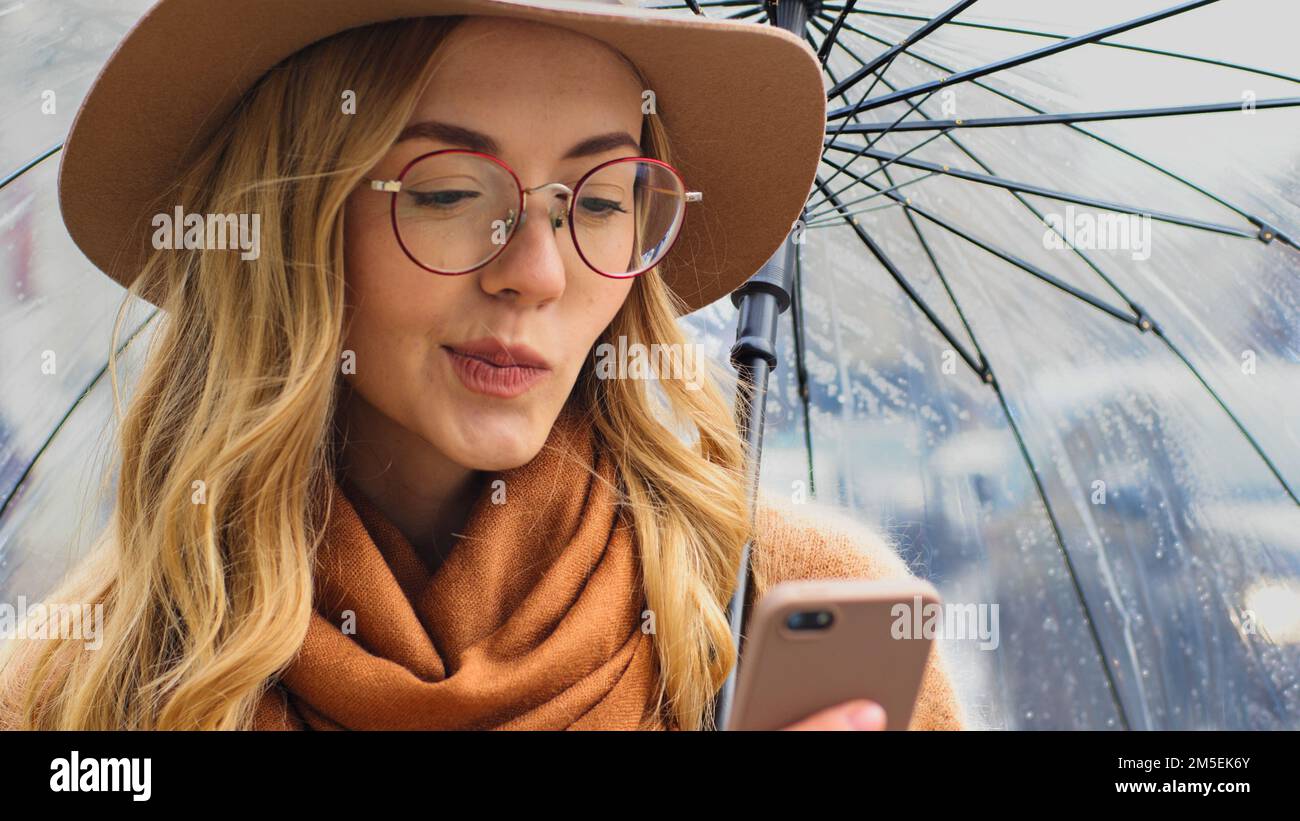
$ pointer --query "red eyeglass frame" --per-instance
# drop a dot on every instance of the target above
(394, 187)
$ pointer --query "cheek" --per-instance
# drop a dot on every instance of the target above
(368, 251)
(593, 312)
(391, 306)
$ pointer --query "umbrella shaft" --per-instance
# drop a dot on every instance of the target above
(761, 301)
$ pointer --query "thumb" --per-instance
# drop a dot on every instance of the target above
(859, 714)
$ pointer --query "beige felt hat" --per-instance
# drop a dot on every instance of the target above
(743, 105)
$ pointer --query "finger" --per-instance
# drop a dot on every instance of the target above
(860, 714)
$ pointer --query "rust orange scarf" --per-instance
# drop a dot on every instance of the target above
(533, 621)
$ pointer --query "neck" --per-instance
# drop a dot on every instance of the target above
(424, 494)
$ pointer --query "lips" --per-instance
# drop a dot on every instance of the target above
(495, 352)
(495, 369)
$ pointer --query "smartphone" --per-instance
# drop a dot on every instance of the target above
(815, 644)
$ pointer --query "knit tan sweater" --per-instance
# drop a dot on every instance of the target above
(811, 542)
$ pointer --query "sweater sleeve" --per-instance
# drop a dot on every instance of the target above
(792, 545)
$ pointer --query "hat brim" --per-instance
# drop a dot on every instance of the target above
(743, 105)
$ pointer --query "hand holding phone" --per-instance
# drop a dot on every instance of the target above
(814, 645)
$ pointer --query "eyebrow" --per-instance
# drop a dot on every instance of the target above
(478, 141)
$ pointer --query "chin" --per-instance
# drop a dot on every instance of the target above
(493, 442)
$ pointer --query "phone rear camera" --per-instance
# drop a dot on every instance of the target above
(809, 620)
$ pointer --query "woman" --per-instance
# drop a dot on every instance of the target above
(373, 477)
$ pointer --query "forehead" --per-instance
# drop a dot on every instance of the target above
(535, 88)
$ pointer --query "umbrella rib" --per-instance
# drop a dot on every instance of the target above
(1263, 72)
(800, 369)
(1112, 687)
(825, 50)
(985, 373)
(1030, 268)
(49, 440)
(1265, 228)
(911, 292)
(887, 56)
(1277, 474)
(30, 165)
(1078, 117)
(1063, 196)
(1018, 60)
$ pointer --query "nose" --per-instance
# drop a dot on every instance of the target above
(533, 268)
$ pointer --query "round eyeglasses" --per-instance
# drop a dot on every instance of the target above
(455, 210)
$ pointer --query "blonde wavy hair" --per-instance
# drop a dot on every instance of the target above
(205, 604)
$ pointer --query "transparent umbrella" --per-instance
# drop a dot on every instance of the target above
(1045, 331)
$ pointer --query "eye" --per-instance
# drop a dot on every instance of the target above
(444, 199)
(600, 206)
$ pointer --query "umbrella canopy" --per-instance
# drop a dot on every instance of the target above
(1098, 437)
